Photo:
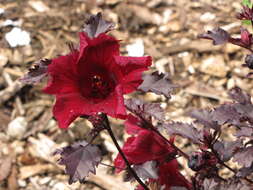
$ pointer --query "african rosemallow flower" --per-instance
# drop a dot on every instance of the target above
(93, 77)
(145, 146)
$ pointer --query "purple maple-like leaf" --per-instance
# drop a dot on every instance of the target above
(245, 132)
(245, 171)
(214, 119)
(244, 107)
(145, 110)
(157, 83)
(147, 170)
(80, 159)
(235, 113)
(211, 184)
(204, 117)
(184, 130)
(96, 25)
(225, 113)
(37, 72)
(218, 35)
(238, 95)
(244, 156)
(227, 149)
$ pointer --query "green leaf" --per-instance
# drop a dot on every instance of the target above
(247, 3)
(246, 22)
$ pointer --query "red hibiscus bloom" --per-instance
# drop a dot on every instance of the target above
(93, 78)
(147, 146)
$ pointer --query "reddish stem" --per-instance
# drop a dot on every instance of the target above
(108, 128)
(226, 166)
(171, 144)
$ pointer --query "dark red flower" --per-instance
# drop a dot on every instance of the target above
(147, 146)
(170, 176)
(93, 78)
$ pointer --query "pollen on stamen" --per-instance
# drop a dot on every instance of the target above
(100, 88)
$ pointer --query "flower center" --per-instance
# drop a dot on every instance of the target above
(100, 88)
(95, 81)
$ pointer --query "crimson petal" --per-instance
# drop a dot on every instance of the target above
(63, 75)
(132, 69)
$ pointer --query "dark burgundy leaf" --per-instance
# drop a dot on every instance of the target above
(97, 25)
(235, 113)
(225, 113)
(157, 83)
(239, 113)
(238, 95)
(185, 130)
(244, 113)
(145, 110)
(227, 149)
(80, 159)
(147, 170)
(204, 117)
(218, 35)
(244, 156)
(245, 132)
(211, 184)
(213, 119)
(37, 72)
(245, 171)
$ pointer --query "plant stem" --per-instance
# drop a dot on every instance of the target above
(171, 144)
(226, 166)
(108, 128)
(158, 133)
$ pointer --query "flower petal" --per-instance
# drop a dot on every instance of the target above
(113, 105)
(82, 44)
(170, 176)
(131, 125)
(144, 147)
(132, 69)
(63, 75)
(70, 106)
(99, 50)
